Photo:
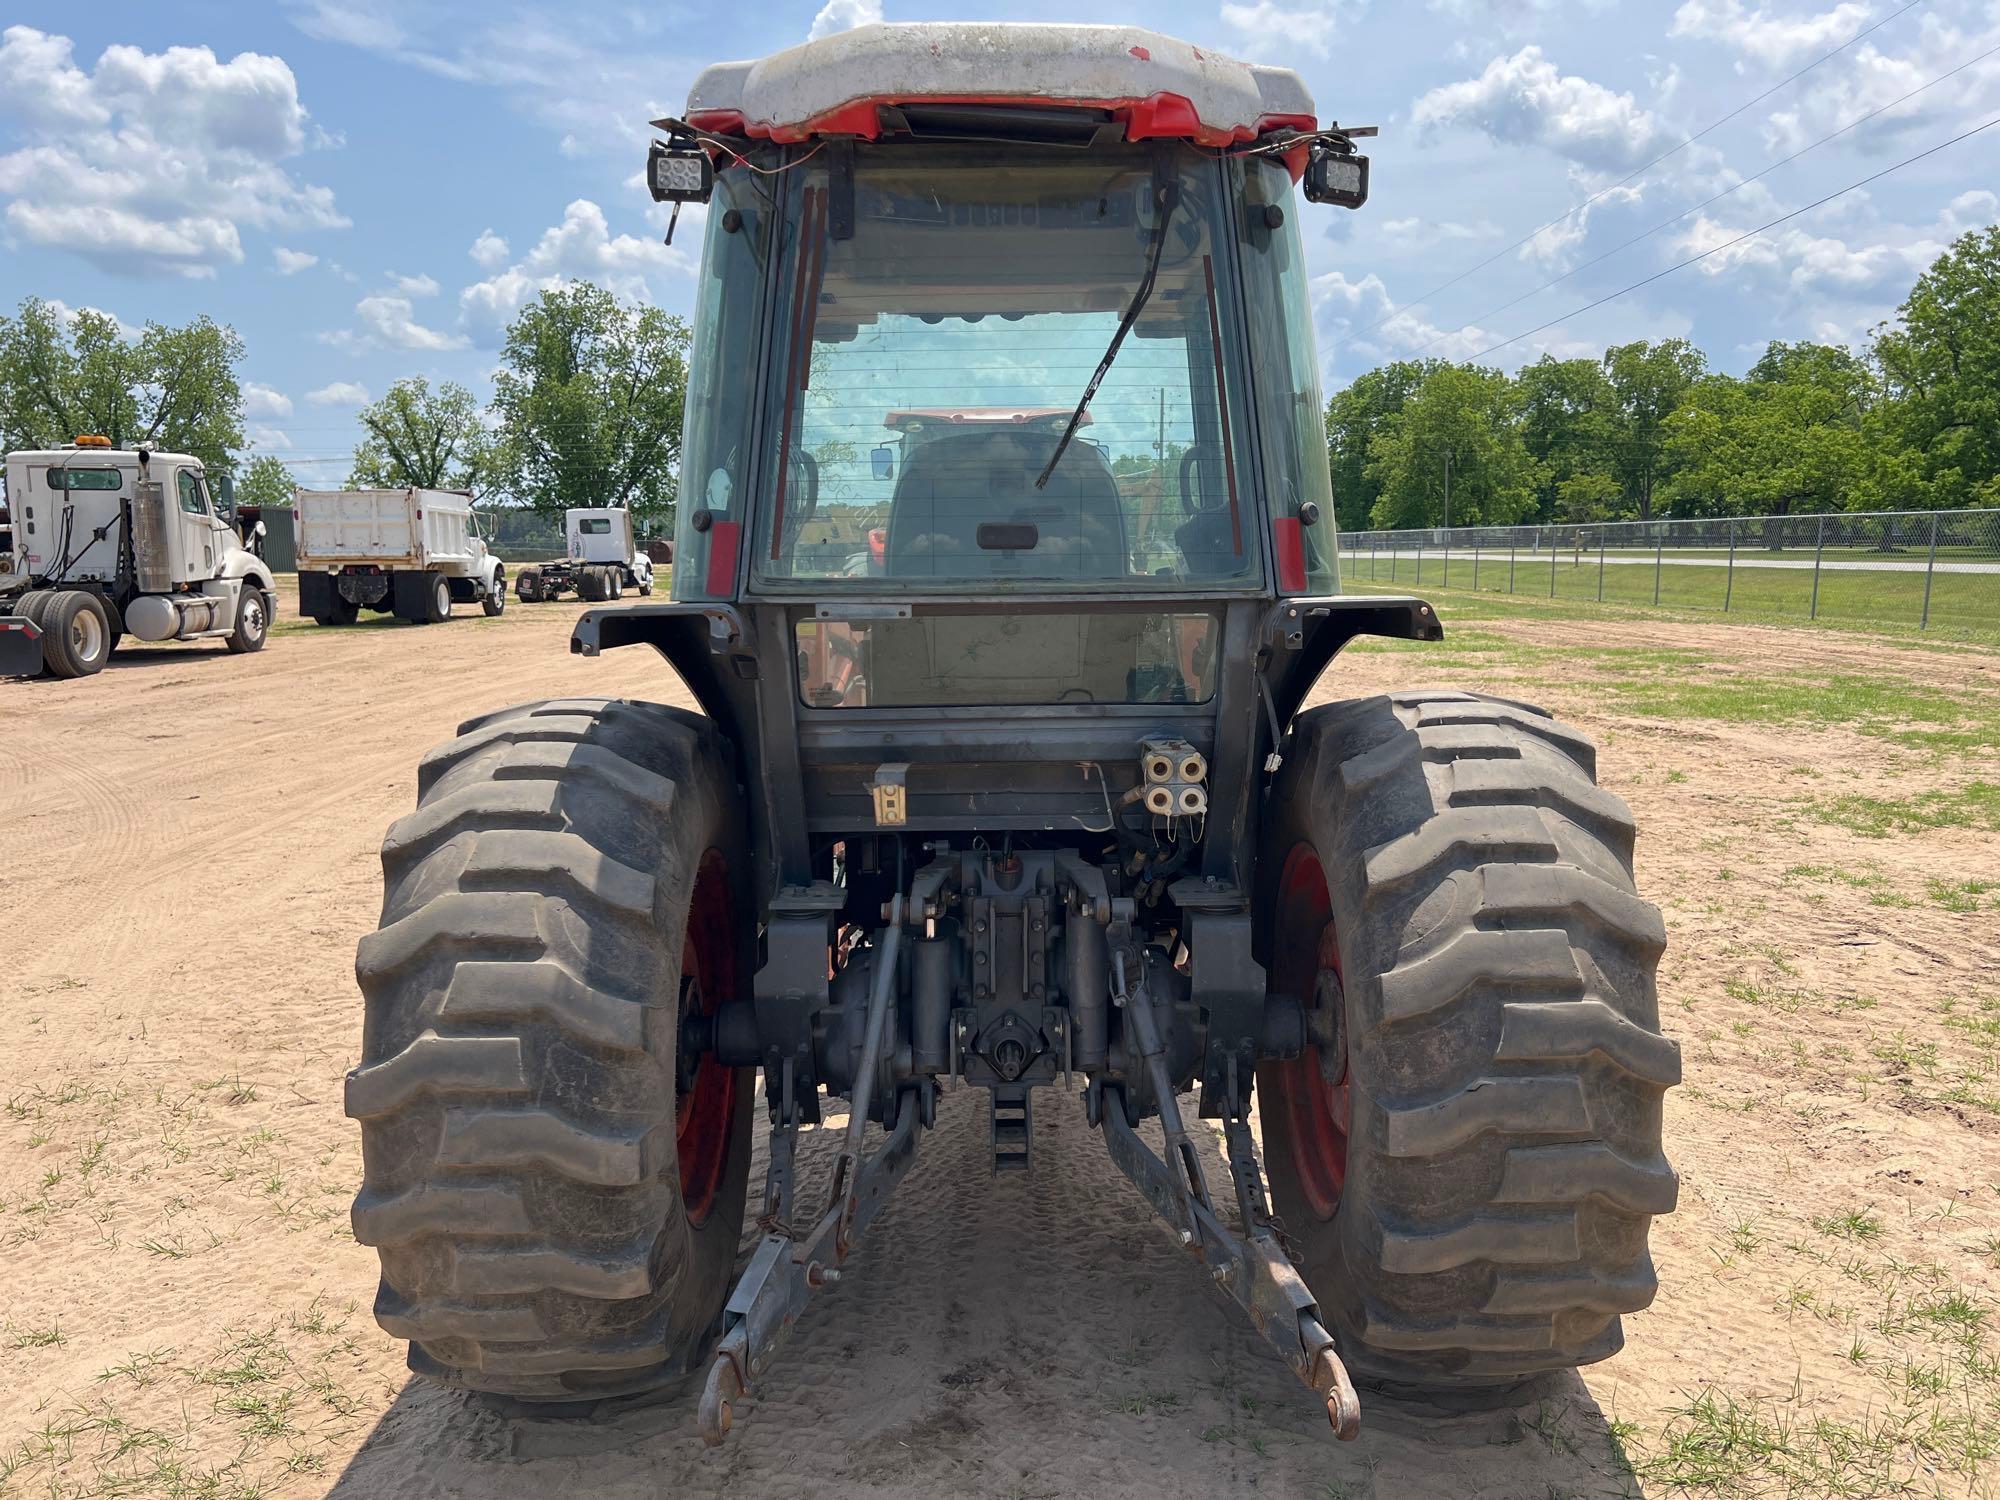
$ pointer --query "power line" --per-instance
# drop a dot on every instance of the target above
(1707, 202)
(1739, 239)
(1642, 171)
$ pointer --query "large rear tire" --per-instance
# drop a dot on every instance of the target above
(1468, 1159)
(556, 1207)
(76, 633)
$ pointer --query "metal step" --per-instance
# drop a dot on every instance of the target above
(1013, 1128)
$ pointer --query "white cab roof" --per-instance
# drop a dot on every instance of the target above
(1158, 86)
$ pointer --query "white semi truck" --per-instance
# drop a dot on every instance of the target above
(98, 542)
(603, 562)
(411, 553)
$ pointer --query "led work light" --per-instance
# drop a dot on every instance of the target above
(1337, 177)
(679, 173)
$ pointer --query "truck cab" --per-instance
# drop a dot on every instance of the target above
(100, 542)
(601, 537)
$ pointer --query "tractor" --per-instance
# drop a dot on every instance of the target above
(1027, 801)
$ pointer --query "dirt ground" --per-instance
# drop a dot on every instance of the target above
(190, 855)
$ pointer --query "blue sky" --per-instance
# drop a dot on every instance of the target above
(369, 188)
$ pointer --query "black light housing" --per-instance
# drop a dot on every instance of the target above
(679, 172)
(1336, 176)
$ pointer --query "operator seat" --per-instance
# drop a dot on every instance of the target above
(948, 489)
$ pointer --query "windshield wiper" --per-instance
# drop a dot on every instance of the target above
(1170, 197)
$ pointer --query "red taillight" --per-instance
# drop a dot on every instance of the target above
(1289, 544)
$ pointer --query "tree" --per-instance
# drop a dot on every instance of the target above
(1941, 363)
(1649, 381)
(1569, 424)
(1469, 417)
(1788, 437)
(266, 482)
(589, 401)
(423, 439)
(1353, 418)
(172, 388)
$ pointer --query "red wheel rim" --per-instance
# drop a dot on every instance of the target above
(705, 1107)
(1316, 1113)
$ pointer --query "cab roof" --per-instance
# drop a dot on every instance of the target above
(1155, 86)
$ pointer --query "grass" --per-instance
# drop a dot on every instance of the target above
(1961, 605)
(1973, 806)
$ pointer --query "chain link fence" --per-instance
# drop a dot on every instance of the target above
(1927, 569)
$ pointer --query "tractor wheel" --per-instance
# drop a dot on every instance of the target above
(614, 584)
(76, 633)
(1467, 1158)
(495, 601)
(253, 621)
(555, 1193)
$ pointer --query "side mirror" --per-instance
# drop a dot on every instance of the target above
(260, 530)
(883, 460)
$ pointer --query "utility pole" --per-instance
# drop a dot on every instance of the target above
(1447, 492)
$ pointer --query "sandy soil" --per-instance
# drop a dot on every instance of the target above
(190, 856)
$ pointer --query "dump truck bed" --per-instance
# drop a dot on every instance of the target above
(392, 529)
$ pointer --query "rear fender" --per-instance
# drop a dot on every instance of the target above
(1305, 634)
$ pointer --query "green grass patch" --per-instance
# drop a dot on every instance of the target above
(1975, 805)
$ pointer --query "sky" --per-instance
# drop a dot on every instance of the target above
(367, 189)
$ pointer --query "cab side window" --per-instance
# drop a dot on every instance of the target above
(193, 501)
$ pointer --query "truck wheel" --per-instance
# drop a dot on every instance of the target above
(76, 633)
(589, 585)
(495, 601)
(338, 611)
(555, 1193)
(439, 600)
(614, 583)
(253, 621)
(1467, 1159)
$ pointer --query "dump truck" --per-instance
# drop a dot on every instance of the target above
(603, 559)
(1021, 808)
(411, 552)
(98, 542)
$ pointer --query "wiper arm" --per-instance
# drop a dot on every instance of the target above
(1170, 197)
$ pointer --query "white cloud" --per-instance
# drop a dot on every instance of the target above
(489, 250)
(390, 322)
(1416, 229)
(1274, 31)
(1869, 79)
(268, 439)
(535, 61)
(1774, 40)
(1524, 100)
(844, 15)
(66, 315)
(414, 286)
(340, 393)
(152, 162)
(262, 401)
(291, 262)
(1810, 266)
(1973, 210)
(582, 247)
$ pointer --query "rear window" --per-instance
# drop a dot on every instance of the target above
(977, 659)
(599, 526)
(85, 479)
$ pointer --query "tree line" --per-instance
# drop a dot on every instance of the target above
(1649, 430)
(586, 406)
